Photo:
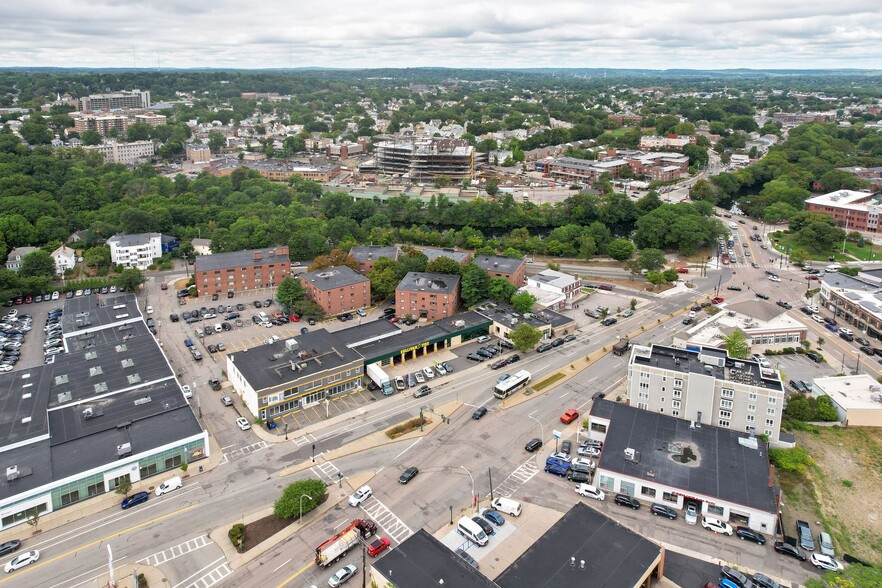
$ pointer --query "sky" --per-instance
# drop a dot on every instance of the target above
(654, 34)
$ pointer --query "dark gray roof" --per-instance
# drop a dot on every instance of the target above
(837, 280)
(268, 366)
(133, 240)
(421, 560)
(758, 309)
(724, 468)
(496, 263)
(367, 331)
(505, 314)
(428, 281)
(336, 276)
(23, 406)
(434, 253)
(89, 313)
(614, 556)
(380, 347)
(374, 252)
(235, 259)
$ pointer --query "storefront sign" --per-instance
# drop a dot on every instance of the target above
(415, 347)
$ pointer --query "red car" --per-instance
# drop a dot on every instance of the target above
(569, 416)
(682, 270)
(378, 546)
(717, 300)
(29, 299)
(293, 318)
(812, 278)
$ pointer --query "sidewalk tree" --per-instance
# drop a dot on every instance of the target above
(334, 258)
(289, 503)
(124, 486)
(525, 336)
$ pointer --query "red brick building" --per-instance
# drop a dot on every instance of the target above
(513, 270)
(853, 211)
(337, 289)
(366, 256)
(427, 295)
(239, 271)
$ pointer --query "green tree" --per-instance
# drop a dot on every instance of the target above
(97, 257)
(525, 336)
(501, 289)
(620, 249)
(475, 284)
(441, 181)
(790, 460)
(130, 278)
(383, 281)
(36, 133)
(651, 259)
(91, 138)
(289, 504)
(492, 187)
(216, 141)
(138, 132)
(290, 291)
(444, 265)
(124, 486)
(656, 278)
(37, 264)
(334, 258)
(523, 301)
(736, 344)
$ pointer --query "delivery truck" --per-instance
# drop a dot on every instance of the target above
(337, 546)
(380, 378)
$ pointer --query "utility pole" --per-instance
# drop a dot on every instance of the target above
(490, 474)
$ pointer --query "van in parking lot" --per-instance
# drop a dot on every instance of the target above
(471, 531)
(507, 505)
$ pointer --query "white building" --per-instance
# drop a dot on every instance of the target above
(858, 399)
(555, 281)
(135, 250)
(201, 246)
(706, 386)
(64, 257)
(133, 152)
(13, 262)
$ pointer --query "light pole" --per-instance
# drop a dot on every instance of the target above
(301, 505)
(286, 431)
(541, 427)
(474, 497)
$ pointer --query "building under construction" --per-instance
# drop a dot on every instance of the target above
(422, 160)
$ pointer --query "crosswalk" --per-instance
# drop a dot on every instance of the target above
(160, 557)
(328, 472)
(210, 578)
(523, 474)
(391, 524)
(243, 451)
(304, 440)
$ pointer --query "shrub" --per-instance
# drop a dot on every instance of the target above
(289, 503)
(237, 535)
(848, 483)
(790, 460)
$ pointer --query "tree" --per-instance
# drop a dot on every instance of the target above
(525, 336)
(138, 132)
(124, 486)
(656, 278)
(444, 265)
(130, 278)
(334, 258)
(384, 280)
(492, 187)
(216, 141)
(97, 257)
(37, 264)
(620, 249)
(91, 138)
(36, 133)
(651, 259)
(523, 301)
(303, 494)
(442, 181)
(290, 291)
(475, 284)
(633, 304)
(501, 289)
(736, 344)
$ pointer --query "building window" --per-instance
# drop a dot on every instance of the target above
(768, 432)
(770, 411)
(642, 406)
(599, 427)
(751, 408)
(772, 400)
(727, 393)
(675, 413)
(669, 497)
(607, 483)
(678, 393)
(770, 422)
(70, 497)
(678, 383)
(647, 491)
(750, 418)
(725, 414)
(715, 510)
(724, 424)
(725, 404)
(676, 404)
(644, 375)
(173, 462)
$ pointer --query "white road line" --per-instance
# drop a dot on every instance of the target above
(90, 580)
(281, 566)
(197, 572)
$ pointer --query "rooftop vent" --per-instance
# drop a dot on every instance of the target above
(123, 450)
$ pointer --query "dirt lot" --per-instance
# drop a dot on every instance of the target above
(842, 489)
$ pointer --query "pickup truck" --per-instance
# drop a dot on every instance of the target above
(804, 532)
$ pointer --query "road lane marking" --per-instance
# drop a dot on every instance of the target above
(282, 566)
(295, 574)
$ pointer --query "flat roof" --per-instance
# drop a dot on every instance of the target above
(97, 311)
(860, 392)
(723, 467)
(421, 560)
(498, 263)
(758, 309)
(613, 555)
(506, 315)
(374, 252)
(433, 253)
(842, 199)
(336, 276)
(440, 329)
(429, 281)
(367, 331)
(243, 258)
(553, 278)
(316, 352)
(22, 406)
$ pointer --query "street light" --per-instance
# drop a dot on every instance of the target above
(541, 427)
(474, 497)
(301, 505)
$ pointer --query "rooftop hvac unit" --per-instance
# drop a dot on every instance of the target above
(88, 413)
(630, 454)
(12, 473)
(123, 449)
(291, 345)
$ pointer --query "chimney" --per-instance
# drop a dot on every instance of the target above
(257, 256)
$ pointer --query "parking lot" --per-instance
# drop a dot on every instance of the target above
(27, 329)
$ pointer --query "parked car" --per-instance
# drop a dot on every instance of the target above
(789, 550)
(748, 534)
(825, 562)
(377, 546)
(9, 547)
(825, 544)
(134, 499)
(342, 575)
(629, 501)
(493, 516)
(662, 510)
(763, 581)
(736, 577)
(590, 492)
(716, 525)
(691, 514)
(475, 357)
(243, 423)
(804, 533)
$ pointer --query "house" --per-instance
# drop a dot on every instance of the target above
(13, 262)
(138, 251)
(555, 282)
(65, 258)
(168, 243)
(201, 246)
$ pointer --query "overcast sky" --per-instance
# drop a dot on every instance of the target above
(656, 34)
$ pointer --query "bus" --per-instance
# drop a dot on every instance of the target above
(511, 385)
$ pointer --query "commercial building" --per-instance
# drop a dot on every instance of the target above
(858, 399)
(512, 269)
(16, 256)
(337, 289)
(707, 387)
(65, 258)
(368, 254)
(655, 457)
(422, 160)
(240, 271)
(345, 150)
(133, 152)
(108, 410)
(116, 100)
(564, 286)
(766, 326)
(276, 169)
(855, 300)
(505, 318)
(137, 251)
(660, 166)
(854, 211)
(198, 153)
(427, 295)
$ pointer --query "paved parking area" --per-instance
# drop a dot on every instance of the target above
(32, 345)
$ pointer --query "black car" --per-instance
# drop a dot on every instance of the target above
(174, 318)
(533, 444)
(557, 342)
(818, 359)
(736, 577)
(514, 358)
(789, 550)
(408, 475)
(784, 304)
(687, 321)
(479, 412)
(214, 383)
(763, 296)
(861, 341)
(230, 294)
(846, 336)
(485, 353)
(578, 476)
(736, 288)
(566, 446)
(499, 363)
(258, 304)
(695, 308)
(485, 525)
(475, 357)
(240, 307)
(661, 510)
(506, 344)
(830, 321)
(597, 396)
(544, 347)
(389, 311)
(609, 321)
(763, 581)
(748, 534)
(629, 501)
(9, 546)
(867, 349)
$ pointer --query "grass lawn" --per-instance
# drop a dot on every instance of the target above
(619, 132)
(785, 241)
(868, 252)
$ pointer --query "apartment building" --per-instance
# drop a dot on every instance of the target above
(239, 271)
(706, 386)
(337, 289)
(133, 152)
(433, 253)
(151, 119)
(116, 100)
(137, 251)
(852, 210)
(366, 256)
(198, 153)
(422, 160)
(665, 142)
(16, 256)
(427, 295)
(101, 123)
(513, 270)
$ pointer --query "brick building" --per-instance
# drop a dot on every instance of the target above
(854, 211)
(241, 270)
(427, 295)
(367, 255)
(513, 270)
(337, 289)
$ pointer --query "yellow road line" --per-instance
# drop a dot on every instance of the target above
(295, 574)
(97, 541)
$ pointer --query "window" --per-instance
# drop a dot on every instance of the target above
(678, 383)
(724, 424)
(642, 406)
(768, 432)
(752, 396)
(678, 393)
(95, 489)
(725, 414)
(668, 497)
(770, 411)
(725, 404)
(599, 427)
(647, 491)
(676, 404)
(772, 400)
(148, 471)
(70, 497)
(675, 413)
(607, 483)
(727, 393)
(751, 408)
(173, 462)
(715, 510)
(644, 375)
(770, 423)
(750, 418)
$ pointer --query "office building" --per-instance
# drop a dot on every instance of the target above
(852, 210)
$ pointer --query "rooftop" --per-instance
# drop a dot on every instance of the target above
(374, 252)
(844, 199)
(613, 555)
(860, 392)
(497, 263)
(133, 240)
(90, 313)
(433, 253)
(506, 315)
(234, 259)
(723, 464)
(428, 281)
(336, 276)
(380, 347)
(553, 278)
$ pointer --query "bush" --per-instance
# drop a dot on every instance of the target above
(237, 535)
(802, 407)
(790, 460)
(289, 504)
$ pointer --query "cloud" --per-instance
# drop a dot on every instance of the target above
(456, 33)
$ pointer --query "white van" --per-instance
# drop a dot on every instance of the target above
(218, 328)
(169, 485)
(471, 531)
(833, 267)
(507, 505)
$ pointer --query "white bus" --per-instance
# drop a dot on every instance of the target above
(511, 385)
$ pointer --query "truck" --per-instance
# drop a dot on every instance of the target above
(380, 378)
(557, 466)
(621, 347)
(336, 547)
